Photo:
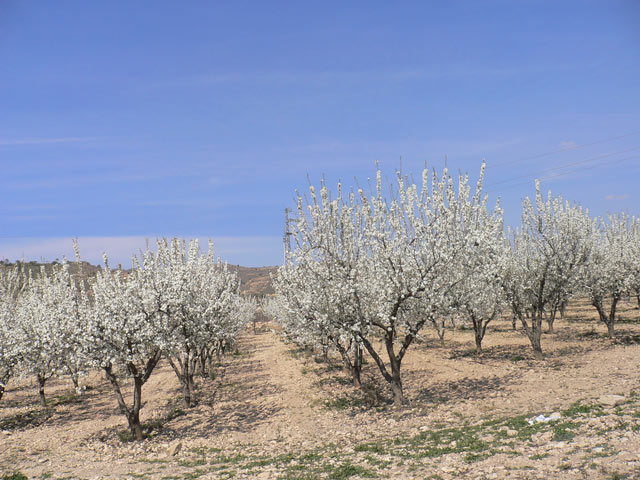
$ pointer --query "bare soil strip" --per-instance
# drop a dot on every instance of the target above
(274, 411)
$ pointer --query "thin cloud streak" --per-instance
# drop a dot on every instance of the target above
(290, 77)
(45, 141)
(623, 196)
(74, 180)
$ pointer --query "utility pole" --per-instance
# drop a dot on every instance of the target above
(286, 239)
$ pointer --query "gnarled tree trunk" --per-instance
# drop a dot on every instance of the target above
(41, 381)
(609, 319)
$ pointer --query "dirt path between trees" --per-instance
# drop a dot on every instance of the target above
(274, 411)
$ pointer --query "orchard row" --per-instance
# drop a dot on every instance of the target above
(365, 272)
(175, 303)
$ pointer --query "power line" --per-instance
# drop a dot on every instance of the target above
(560, 167)
(560, 174)
(561, 150)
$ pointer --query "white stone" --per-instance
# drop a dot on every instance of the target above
(611, 400)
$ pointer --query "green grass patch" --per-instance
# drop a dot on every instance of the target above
(580, 408)
(345, 403)
(563, 431)
(348, 470)
(14, 476)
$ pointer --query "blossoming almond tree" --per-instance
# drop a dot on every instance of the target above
(479, 295)
(608, 275)
(634, 238)
(397, 252)
(11, 284)
(48, 326)
(548, 254)
(198, 304)
(121, 335)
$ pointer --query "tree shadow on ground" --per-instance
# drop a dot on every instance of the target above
(439, 393)
(63, 407)
(502, 353)
(239, 399)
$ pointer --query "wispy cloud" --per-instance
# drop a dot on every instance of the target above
(73, 180)
(568, 145)
(622, 196)
(429, 150)
(44, 141)
(333, 76)
(219, 181)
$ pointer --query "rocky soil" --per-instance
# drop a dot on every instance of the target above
(273, 411)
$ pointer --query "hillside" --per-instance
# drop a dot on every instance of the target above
(255, 281)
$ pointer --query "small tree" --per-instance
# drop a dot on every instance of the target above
(378, 258)
(48, 325)
(196, 296)
(478, 295)
(11, 284)
(547, 255)
(121, 335)
(608, 274)
(634, 243)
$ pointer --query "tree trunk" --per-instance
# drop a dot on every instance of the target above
(479, 329)
(396, 380)
(186, 393)
(41, 381)
(478, 343)
(184, 369)
(537, 348)
(609, 319)
(75, 378)
(139, 378)
(440, 330)
(351, 366)
(134, 417)
(203, 363)
(550, 320)
(3, 383)
(563, 309)
(534, 332)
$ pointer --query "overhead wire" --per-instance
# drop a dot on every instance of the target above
(563, 166)
(567, 149)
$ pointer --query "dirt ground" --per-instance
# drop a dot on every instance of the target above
(274, 411)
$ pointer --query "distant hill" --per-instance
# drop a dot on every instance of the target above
(255, 281)
(34, 268)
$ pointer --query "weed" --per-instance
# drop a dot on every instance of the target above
(562, 431)
(65, 399)
(348, 470)
(14, 476)
(370, 447)
(539, 456)
(344, 403)
(475, 457)
(579, 408)
(192, 463)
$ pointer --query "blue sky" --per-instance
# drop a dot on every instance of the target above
(126, 120)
